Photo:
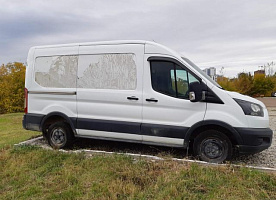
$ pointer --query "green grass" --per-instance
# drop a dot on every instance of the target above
(28, 172)
(11, 131)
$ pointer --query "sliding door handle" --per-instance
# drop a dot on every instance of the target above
(152, 100)
(133, 98)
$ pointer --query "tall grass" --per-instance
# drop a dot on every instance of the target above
(11, 131)
(33, 173)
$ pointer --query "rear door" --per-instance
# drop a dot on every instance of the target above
(52, 82)
(167, 111)
(109, 91)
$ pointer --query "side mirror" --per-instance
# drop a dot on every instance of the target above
(196, 91)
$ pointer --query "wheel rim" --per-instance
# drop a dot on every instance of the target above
(212, 148)
(58, 136)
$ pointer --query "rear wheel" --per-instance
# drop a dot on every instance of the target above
(60, 135)
(212, 146)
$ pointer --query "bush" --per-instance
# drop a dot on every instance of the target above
(262, 85)
(12, 80)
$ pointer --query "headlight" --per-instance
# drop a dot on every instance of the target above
(250, 108)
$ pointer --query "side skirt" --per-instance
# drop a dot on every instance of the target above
(132, 138)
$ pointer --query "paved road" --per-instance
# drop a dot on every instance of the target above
(268, 101)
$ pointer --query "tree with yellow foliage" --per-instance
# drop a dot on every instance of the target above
(12, 80)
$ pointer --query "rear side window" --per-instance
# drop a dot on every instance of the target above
(107, 71)
(170, 79)
(56, 71)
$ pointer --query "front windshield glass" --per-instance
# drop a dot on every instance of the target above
(201, 72)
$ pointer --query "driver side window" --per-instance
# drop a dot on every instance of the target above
(170, 79)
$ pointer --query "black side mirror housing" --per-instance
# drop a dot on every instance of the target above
(196, 91)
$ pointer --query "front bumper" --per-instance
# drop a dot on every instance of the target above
(254, 139)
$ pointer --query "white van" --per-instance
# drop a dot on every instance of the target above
(138, 91)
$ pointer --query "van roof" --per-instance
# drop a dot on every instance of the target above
(99, 43)
(152, 47)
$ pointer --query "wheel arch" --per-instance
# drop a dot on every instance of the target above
(227, 129)
(55, 117)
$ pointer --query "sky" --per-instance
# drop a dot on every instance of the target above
(236, 35)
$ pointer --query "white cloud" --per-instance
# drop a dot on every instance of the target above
(234, 34)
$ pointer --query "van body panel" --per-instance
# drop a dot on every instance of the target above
(163, 140)
(167, 110)
(103, 102)
(29, 68)
(229, 112)
(152, 48)
(263, 122)
(222, 112)
(47, 103)
(232, 113)
(56, 51)
(44, 100)
(253, 122)
(106, 134)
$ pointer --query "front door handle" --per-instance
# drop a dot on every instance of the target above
(152, 100)
(132, 98)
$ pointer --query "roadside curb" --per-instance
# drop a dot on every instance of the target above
(150, 157)
(29, 141)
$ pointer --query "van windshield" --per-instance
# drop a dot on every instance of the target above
(201, 72)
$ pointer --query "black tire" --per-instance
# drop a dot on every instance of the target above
(212, 146)
(60, 135)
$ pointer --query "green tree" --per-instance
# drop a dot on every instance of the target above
(12, 80)
(244, 83)
(226, 83)
(259, 85)
(262, 85)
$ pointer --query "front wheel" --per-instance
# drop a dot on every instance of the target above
(212, 146)
(60, 135)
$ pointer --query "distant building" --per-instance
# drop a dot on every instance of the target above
(259, 72)
(211, 72)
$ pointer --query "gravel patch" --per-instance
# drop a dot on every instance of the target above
(266, 158)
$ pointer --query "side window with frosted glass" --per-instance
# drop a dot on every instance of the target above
(107, 71)
(56, 71)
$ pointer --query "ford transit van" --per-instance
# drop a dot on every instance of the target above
(138, 91)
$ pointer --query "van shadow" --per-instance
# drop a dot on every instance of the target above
(126, 147)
